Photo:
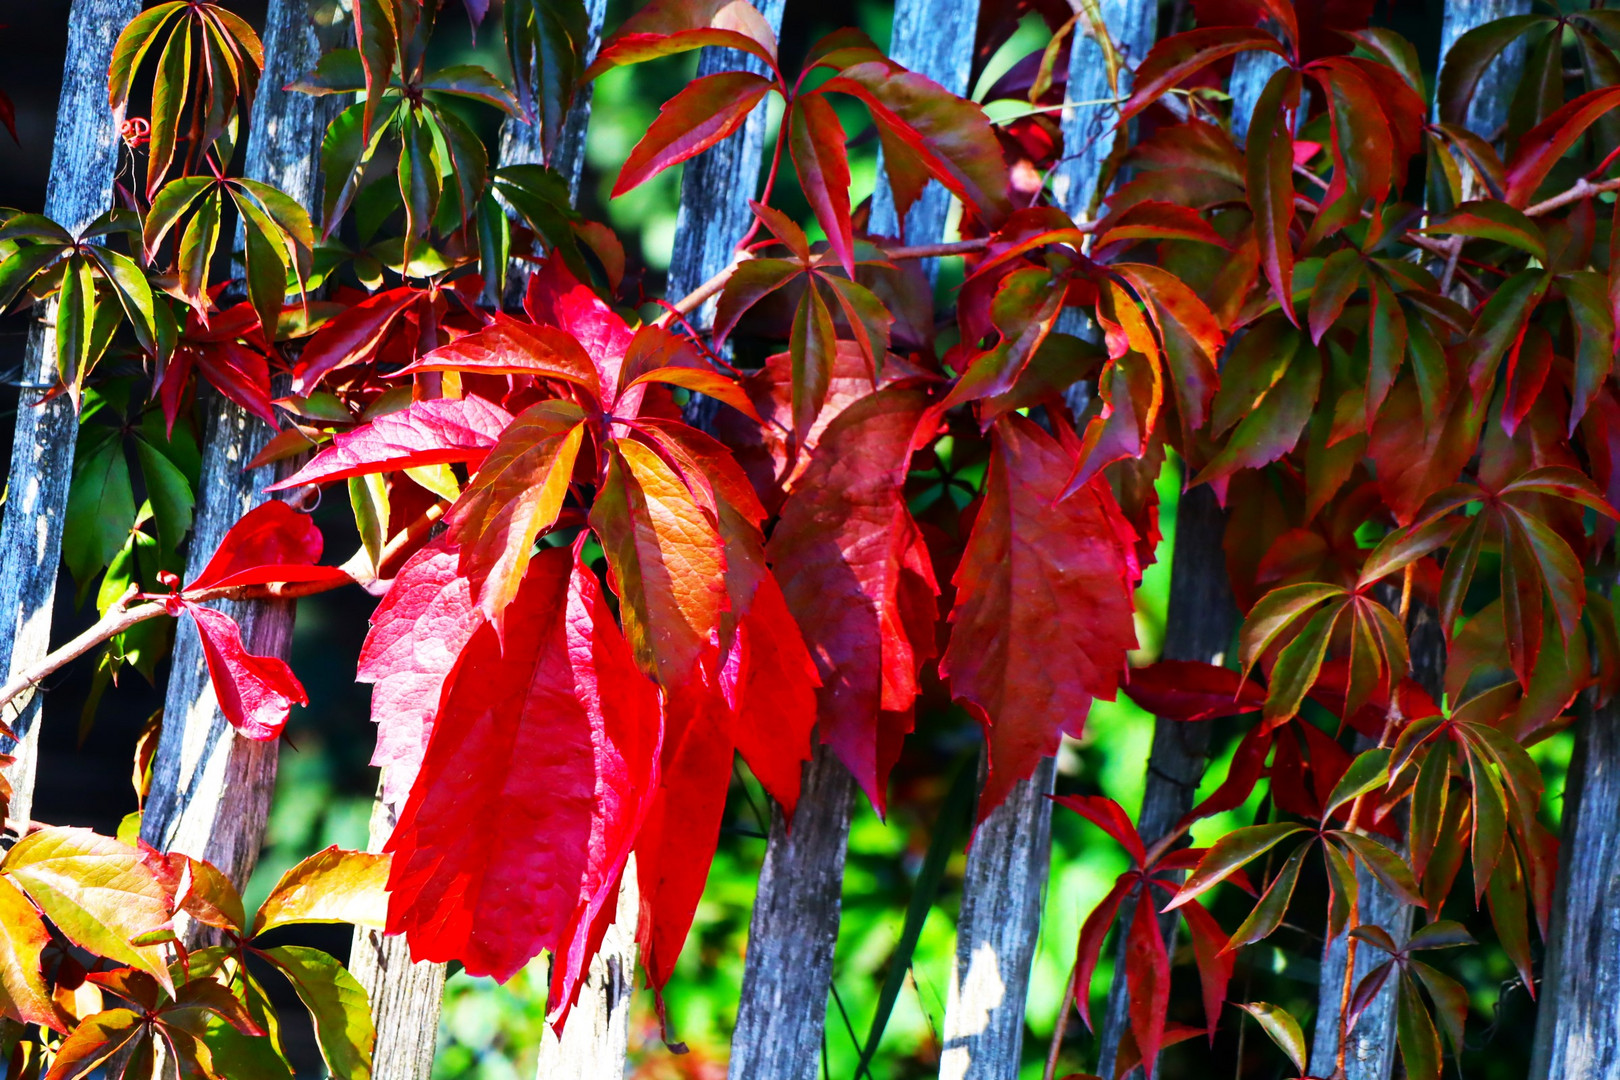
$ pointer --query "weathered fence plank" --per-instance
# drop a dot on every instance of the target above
(996, 931)
(1578, 1020)
(211, 788)
(1369, 1050)
(794, 930)
(83, 158)
(1199, 625)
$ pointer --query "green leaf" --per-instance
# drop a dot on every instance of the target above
(1268, 913)
(333, 885)
(1415, 1034)
(171, 496)
(197, 245)
(1388, 867)
(1450, 999)
(1229, 853)
(813, 346)
(1299, 663)
(22, 266)
(170, 90)
(75, 316)
(1440, 934)
(100, 510)
(134, 294)
(267, 263)
(1369, 770)
(336, 1002)
(1488, 219)
(368, 495)
(97, 893)
(1282, 1028)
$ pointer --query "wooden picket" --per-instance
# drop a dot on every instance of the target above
(83, 157)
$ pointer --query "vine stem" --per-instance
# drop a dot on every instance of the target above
(122, 617)
(1069, 990)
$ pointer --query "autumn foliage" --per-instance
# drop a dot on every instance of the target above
(616, 549)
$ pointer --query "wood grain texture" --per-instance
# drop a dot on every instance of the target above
(996, 931)
(1088, 130)
(595, 1042)
(794, 930)
(83, 159)
(520, 140)
(716, 184)
(936, 40)
(211, 788)
(405, 996)
(1578, 1019)
(1199, 625)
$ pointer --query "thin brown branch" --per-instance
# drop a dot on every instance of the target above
(122, 617)
(1582, 189)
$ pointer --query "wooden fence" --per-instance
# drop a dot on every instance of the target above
(211, 789)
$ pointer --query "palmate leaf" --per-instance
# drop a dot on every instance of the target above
(96, 891)
(568, 728)
(1281, 1027)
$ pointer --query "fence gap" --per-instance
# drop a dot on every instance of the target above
(84, 156)
(211, 788)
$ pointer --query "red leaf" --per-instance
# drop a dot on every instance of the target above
(435, 432)
(515, 496)
(509, 346)
(240, 373)
(1271, 184)
(706, 111)
(1190, 690)
(354, 336)
(666, 27)
(666, 559)
(1214, 963)
(949, 135)
(1147, 977)
(272, 543)
(254, 692)
(1176, 59)
(1043, 614)
(851, 562)
(677, 845)
(1089, 947)
(1111, 818)
(556, 298)
(417, 632)
(1543, 145)
(535, 781)
(776, 694)
(816, 141)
